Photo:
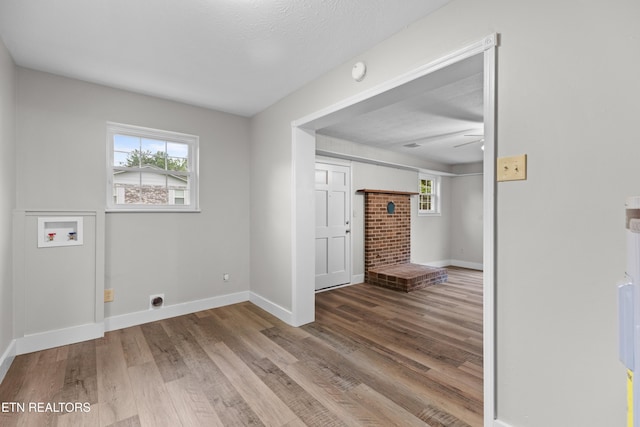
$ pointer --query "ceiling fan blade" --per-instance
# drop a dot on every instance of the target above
(418, 142)
(467, 143)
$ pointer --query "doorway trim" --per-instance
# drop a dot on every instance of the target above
(302, 202)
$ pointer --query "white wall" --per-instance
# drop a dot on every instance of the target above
(568, 96)
(466, 220)
(61, 134)
(431, 236)
(8, 194)
(378, 178)
(54, 287)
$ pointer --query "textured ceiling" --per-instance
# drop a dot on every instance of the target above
(442, 122)
(238, 56)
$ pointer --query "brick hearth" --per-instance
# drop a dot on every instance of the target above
(387, 246)
(407, 277)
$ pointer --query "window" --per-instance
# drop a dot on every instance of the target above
(429, 195)
(151, 170)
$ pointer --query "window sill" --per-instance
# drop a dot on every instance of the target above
(429, 214)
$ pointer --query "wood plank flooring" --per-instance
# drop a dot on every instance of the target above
(373, 357)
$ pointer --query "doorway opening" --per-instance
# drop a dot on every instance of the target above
(304, 155)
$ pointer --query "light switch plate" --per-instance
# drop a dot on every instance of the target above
(108, 295)
(512, 168)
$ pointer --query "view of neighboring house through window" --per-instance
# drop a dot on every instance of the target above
(428, 189)
(151, 169)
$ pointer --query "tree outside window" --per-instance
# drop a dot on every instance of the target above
(152, 169)
(428, 189)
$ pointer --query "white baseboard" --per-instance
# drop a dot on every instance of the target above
(441, 263)
(357, 278)
(72, 335)
(7, 359)
(467, 264)
(272, 308)
(498, 423)
(455, 263)
(56, 338)
(139, 317)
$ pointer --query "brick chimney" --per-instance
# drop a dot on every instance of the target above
(387, 228)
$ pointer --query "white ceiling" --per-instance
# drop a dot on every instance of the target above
(241, 56)
(238, 56)
(441, 122)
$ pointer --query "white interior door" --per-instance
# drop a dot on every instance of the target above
(333, 225)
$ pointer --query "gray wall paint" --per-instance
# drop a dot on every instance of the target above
(61, 159)
(377, 178)
(59, 285)
(8, 194)
(566, 64)
(567, 97)
(431, 236)
(466, 219)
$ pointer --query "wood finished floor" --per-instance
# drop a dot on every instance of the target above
(373, 357)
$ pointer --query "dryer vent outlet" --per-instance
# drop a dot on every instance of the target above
(156, 301)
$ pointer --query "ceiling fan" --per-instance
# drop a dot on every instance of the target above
(419, 142)
(480, 139)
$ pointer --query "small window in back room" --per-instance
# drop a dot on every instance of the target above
(151, 169)
(429, 194)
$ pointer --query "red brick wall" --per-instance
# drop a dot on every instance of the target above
(387, 237)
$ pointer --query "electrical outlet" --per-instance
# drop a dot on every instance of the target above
(108, 295)
(512, 168)
(225, 277)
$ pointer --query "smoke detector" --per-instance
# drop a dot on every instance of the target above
(358, 71)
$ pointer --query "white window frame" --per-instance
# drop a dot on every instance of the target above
(192, 141)
(435, 195)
